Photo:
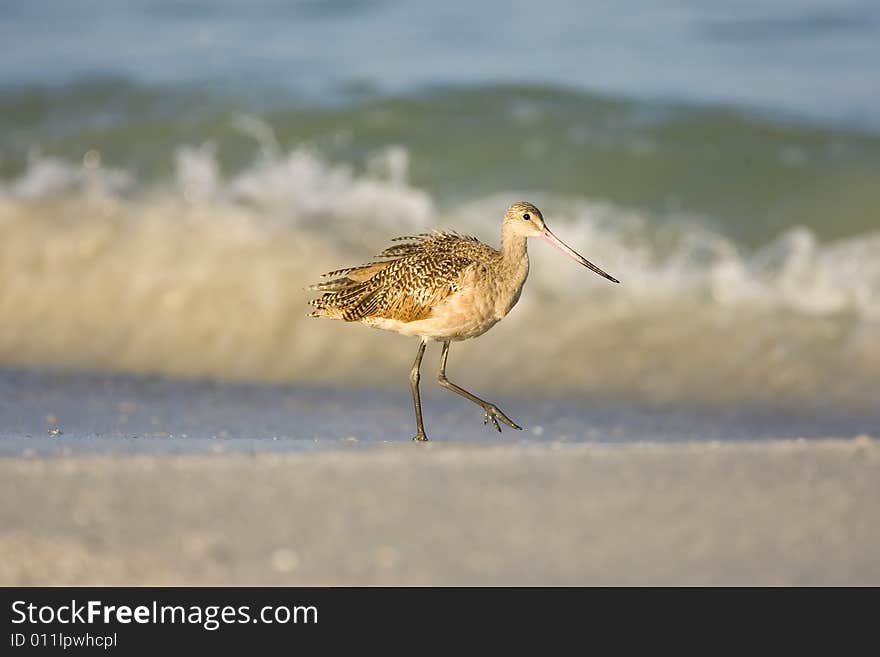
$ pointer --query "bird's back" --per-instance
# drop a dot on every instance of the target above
(406, 281)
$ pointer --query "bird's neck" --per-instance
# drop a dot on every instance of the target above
(513, 247)
(513, 270)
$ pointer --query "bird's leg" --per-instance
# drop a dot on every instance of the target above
(414, 384)
(492, 411)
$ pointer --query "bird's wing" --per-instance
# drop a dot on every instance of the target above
(405, 282)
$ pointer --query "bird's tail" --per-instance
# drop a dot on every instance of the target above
(348, 295)
(336, 285)
(342, 298)
(324, 305)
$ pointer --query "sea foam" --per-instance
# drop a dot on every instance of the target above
(203, 275)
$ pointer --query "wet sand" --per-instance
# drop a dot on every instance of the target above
(126, 480)
(783, 512)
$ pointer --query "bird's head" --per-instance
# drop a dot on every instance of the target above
(525, 219)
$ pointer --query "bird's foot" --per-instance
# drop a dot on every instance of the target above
(494, 413)
(420, 437)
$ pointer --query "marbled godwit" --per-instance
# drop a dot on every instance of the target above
(441, 286)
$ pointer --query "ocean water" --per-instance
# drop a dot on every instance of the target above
(172, 175)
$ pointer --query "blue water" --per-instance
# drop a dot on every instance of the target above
(172, 174)
(812, 58)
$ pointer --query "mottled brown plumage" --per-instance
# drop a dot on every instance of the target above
(441, 286)
(405, 282)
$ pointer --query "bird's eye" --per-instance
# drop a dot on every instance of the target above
(526, 217)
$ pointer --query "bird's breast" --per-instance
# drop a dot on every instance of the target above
(507, 287)
(485, 298)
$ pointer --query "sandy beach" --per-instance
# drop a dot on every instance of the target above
(108, 479)
(780, 513)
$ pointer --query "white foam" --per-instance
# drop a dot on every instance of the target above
(50, 176)
(688, 261)
(203, 275)
(677, 260)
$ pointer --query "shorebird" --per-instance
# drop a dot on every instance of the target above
(441, 286)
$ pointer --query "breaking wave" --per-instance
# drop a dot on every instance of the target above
(202, 275)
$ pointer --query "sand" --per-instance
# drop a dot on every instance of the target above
(769, 512)
(111, 479)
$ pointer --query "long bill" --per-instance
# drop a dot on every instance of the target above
(548, 236)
